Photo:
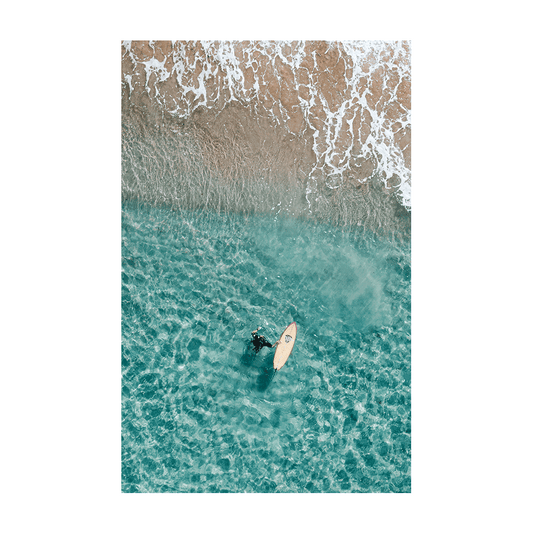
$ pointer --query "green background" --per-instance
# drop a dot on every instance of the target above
(51, 259)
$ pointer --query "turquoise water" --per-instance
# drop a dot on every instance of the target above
(200, 413)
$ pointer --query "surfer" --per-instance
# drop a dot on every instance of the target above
(259, 341)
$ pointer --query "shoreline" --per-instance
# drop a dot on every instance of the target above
(314, 126)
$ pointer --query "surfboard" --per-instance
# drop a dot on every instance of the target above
(285, 346)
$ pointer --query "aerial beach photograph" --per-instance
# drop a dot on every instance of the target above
(266, 266)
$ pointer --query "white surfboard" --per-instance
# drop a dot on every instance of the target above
(285, 346)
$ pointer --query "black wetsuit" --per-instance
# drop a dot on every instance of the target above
(259, 342)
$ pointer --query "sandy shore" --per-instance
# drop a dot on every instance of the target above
(327, 118)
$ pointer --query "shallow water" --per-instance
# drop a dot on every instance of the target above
(201, 413)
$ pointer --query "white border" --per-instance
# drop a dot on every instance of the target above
(419, 33)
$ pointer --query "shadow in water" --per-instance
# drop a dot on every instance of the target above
(265, 378)
(261, 363)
